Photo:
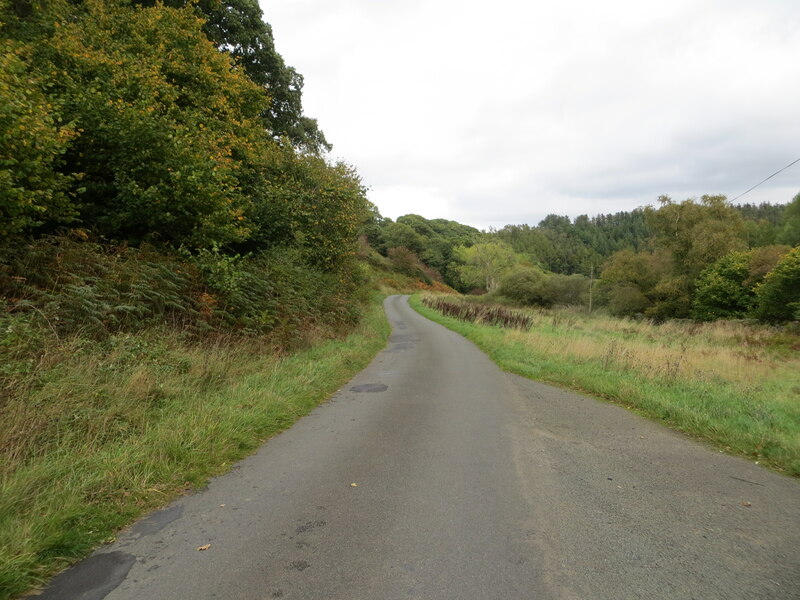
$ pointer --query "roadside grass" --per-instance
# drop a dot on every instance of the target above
(734, 384)
(107, 431)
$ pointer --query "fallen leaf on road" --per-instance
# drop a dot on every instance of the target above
(206, 547)
(746, 504)
(353, 485)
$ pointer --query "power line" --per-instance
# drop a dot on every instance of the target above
(767, 179)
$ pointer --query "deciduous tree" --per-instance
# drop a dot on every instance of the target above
(238, 28)
(33, 139)
(778, 296)
(789, 232)
(484, 264)
(527, 285)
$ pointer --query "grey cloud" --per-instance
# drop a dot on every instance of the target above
(504, 113)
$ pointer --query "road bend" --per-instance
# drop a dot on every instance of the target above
(434, 475)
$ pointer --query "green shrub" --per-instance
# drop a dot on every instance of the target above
(726, 289)
(625, 299)
(528, 285)
(721, 290)
(79, 287)
(568, 290)
(778, 296)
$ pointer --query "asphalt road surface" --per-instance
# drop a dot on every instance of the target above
(434, 475)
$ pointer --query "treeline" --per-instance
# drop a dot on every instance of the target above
(420, 247)
(704, 259)
(556, 244)
(174, 126)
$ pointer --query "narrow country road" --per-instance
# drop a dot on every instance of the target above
(434, 475)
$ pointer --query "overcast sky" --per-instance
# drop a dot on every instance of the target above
(504, 111)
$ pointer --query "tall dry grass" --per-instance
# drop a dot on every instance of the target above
(93, 433)
(739, 353)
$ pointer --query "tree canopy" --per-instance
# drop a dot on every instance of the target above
(484, 264)
(238, 28)
(164, 122)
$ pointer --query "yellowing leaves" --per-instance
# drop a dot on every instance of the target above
(172, 141)
(31, 147)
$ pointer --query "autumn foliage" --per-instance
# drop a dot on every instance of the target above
(128, 121)
(164, 126)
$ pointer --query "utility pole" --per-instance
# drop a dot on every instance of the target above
(591, 285)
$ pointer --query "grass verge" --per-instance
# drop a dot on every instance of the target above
(110, 431)
(734, 385)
